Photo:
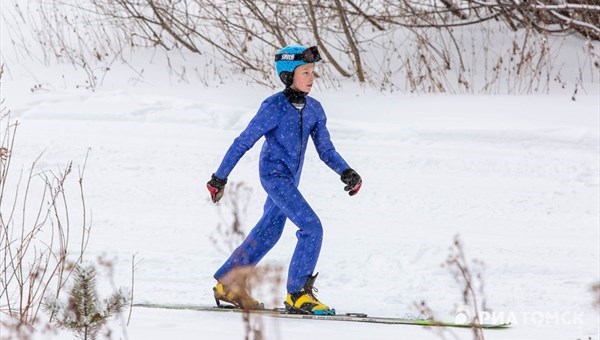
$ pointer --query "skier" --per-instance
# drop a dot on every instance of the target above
(286, 119)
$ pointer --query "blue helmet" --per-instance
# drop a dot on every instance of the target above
(292, 56)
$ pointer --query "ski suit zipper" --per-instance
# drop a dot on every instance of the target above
(300, 149)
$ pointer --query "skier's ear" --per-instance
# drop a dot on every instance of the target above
(287, 78)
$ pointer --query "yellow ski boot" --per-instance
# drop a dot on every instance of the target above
(236, 296)
(305, 301)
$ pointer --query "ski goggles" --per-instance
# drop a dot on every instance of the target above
(309, 55)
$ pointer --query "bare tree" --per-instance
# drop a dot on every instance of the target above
(375, 42)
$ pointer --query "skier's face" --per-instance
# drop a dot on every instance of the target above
(304, 75)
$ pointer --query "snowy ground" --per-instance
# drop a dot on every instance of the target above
(517, 177)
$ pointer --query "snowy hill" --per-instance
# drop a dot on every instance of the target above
(517, 177)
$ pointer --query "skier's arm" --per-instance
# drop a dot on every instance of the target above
(332, 158)
(265, 120)
(325, 148)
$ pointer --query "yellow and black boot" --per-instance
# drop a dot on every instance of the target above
(305, 301)
(235, 295)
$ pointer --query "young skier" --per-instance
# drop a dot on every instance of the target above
(286, 119)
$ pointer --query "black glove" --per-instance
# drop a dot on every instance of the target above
(352, 180)
(216, 186)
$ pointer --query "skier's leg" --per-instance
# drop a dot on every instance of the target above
(287, 197)
(261, 239)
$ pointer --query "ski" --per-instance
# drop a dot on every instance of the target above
(349, 317)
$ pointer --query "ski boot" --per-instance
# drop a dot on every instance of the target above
(305, 301)
(236, 296)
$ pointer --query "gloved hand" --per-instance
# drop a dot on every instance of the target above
(216, 188)
(352, 180)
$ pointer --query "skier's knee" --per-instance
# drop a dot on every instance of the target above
(312, 228)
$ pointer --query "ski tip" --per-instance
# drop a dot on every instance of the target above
(501, 325)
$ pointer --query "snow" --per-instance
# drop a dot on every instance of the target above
(517, 177)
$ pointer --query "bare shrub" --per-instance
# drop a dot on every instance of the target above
(595, 289)
(232, 211)
(468, 273)
(263, 280)
(37, 253)
(391, 45)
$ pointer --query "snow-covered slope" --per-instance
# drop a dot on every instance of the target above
(515, 177)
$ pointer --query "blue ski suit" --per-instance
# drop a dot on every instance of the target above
(286, 130)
